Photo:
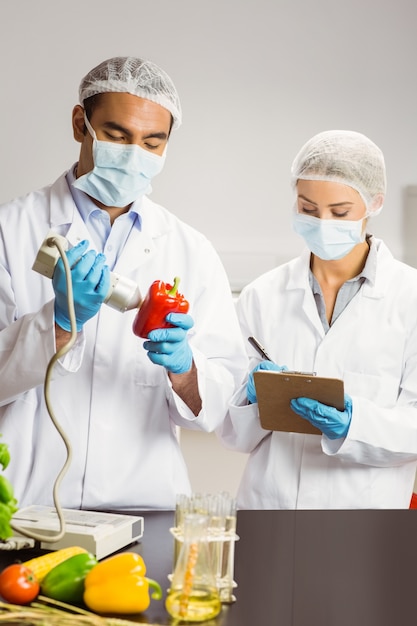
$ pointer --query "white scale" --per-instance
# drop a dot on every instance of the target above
(99, 533)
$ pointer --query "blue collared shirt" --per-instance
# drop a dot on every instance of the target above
(348, 290)
(107, 238)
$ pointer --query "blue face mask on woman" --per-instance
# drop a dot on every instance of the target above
(329, 239)
(121, 173)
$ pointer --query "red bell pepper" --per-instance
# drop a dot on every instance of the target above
(161, 299)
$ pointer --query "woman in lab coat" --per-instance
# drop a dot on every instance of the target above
(118, 399)
(344, 309)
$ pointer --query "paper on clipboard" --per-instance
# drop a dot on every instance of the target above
(275, 390)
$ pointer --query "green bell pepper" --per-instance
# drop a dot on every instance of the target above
(8, 503)
(65, 582)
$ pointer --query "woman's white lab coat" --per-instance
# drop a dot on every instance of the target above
(372, 346)
(116, 407)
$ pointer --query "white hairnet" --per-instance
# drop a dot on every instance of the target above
(346, 157)
(135, 76)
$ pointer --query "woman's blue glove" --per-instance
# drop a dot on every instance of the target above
(90, 285)
(333, 423)
(169, 346)
(263, 365)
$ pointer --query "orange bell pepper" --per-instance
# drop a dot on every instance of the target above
(118, 585)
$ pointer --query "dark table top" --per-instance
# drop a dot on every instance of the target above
(302, 568)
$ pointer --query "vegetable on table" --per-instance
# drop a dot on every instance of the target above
(65, 582)
(118, 585)
(18, 584)
(161, 299)
(41, 565)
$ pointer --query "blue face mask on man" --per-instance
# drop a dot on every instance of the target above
(330, 239)
(121, 173)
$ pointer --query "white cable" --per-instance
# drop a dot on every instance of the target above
(59, 354)
(16, 543)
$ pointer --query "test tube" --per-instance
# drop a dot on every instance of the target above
(227, 570)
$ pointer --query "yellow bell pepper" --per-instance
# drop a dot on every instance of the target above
(118, 585)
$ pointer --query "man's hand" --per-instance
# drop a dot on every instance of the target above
(169, 346)
(90, 284)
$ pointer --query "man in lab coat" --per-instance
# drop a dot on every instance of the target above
(344, 309)
(118, 399)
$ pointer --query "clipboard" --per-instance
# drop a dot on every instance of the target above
(275, 390)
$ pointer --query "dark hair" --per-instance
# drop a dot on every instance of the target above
(93, 102)
(90, 104)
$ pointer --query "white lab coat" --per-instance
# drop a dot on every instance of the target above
(372, 346)
(116, 407)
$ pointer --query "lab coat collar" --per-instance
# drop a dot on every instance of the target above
(62, 208)
(299, 271)
(298, 278)
(383, 265)
(64, 213)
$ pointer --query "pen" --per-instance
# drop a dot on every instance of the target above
(259, 347)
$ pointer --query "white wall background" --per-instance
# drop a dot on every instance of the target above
(256, 78)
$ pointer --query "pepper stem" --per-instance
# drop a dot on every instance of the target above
(157, 591)
(174, 288)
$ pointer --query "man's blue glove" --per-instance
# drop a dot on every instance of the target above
(263, 365)
(333, 423)
(169, 346)
(90, 285)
